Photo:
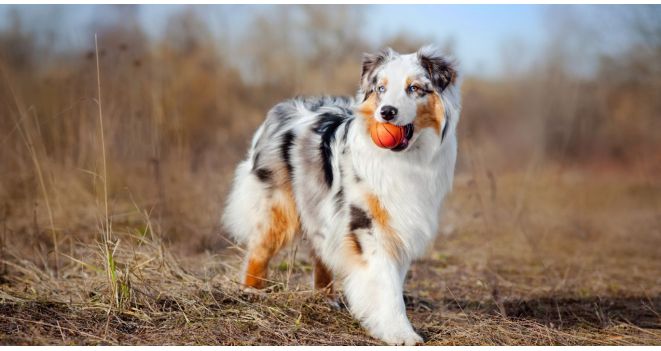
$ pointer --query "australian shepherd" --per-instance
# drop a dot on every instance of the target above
(314, 171)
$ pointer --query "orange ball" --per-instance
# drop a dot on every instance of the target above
(387, 135)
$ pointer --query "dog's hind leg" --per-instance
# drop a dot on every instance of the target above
(261, 216)
(278, 230)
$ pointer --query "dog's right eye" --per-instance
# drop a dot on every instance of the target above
(381, 89)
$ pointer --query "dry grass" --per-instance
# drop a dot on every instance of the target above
(564, 257)
(109, 212)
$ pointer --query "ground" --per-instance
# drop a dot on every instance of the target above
(553, 257)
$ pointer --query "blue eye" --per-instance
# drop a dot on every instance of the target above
(381, 89)
(412, 89)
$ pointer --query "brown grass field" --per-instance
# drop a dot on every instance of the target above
(115, 162)
(558, 257)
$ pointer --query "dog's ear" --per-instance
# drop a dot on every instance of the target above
(439, 70)
(371, 62)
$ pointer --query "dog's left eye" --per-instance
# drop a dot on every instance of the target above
(413, 89)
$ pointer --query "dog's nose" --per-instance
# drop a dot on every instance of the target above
(388, 112)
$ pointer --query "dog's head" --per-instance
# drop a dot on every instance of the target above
(406, 90)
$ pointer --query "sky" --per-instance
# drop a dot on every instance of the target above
(479, 32)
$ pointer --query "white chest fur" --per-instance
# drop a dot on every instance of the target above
(410, 185)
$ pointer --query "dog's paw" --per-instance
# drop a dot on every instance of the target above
(334, 303)
(337, 303)
(252, 294)
(403, 338)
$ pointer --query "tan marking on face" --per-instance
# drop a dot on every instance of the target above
(409, 81)
(283, 227)
(430, 114)
(368, 107)
(366, 110)
(393, 242)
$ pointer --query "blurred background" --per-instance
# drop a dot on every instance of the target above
(110, 201)
(568, 92)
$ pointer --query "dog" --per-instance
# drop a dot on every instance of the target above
(313, 171)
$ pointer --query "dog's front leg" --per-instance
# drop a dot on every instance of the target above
(375, 294)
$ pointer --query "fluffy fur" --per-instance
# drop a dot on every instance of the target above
(313, 170)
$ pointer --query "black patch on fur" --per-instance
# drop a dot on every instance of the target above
(439, 70)
(367, 95)
(326, 128)
(359, 219)
(339, 195)
(339, 199)
(370, 64)
(285, 150)
(346, 129)
(264, 175)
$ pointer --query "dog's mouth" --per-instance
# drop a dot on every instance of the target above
(408, 134)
